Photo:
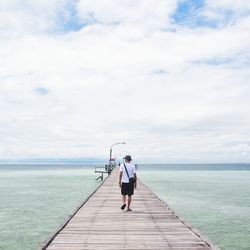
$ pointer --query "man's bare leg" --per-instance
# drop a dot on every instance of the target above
(124, 202)
(124, 199)
(129, 201)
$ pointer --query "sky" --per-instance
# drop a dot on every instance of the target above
(168, 77)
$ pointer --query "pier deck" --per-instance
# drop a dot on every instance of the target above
(101, 224)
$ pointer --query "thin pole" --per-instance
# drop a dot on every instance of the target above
(110, 155)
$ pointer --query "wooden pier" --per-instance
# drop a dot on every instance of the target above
(100, 224)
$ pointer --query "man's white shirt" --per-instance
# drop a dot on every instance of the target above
(131, 171)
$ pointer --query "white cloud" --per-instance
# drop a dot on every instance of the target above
(20, 17)
(240, 4)
(178, 96)
(227, 12)
(144, 12)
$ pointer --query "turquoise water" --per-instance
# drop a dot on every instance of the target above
(215, 200)
(36, 199)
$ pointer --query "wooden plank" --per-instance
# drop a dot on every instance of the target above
(100, 224)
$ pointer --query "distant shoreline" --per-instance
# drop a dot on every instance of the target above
(103, 163)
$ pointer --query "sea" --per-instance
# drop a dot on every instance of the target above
(214, 198)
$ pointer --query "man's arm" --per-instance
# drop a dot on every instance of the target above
(120, 179)
(135, 180)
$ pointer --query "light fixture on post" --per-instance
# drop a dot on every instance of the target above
(110, 151)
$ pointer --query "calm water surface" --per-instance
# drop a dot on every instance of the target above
(36, 199)
(215, 199)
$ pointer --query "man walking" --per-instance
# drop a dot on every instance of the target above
(127, 171)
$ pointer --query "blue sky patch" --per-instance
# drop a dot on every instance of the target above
(214, 61)
(187, 12)
(68, 19)
(219, 61)
(190, 13)
(41, 91)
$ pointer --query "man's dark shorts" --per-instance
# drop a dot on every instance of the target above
(127, 189)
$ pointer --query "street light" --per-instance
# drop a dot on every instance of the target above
(110, 151)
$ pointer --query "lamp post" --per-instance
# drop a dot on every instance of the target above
(110, 151)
